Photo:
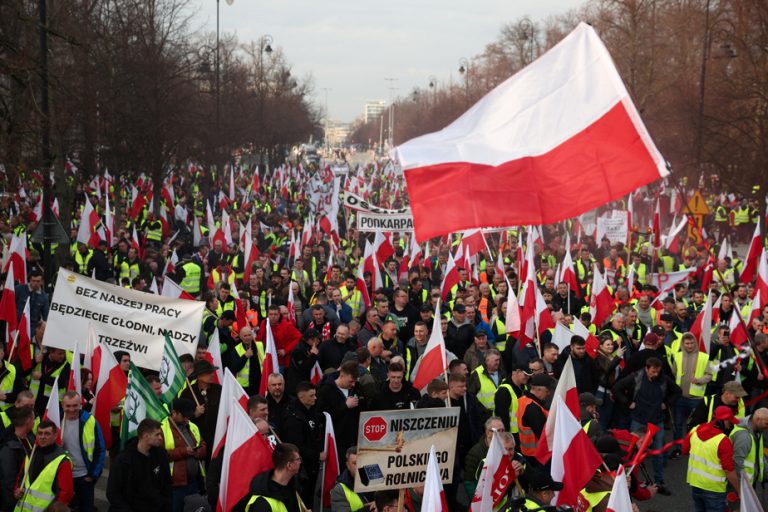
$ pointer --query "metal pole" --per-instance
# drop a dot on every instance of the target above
(46, 143)
(702, 88)
(218, 75)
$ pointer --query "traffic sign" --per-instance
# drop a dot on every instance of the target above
(697, 205)
(374, 429)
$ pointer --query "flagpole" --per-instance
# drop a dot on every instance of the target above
(26, 472)
(192, 391)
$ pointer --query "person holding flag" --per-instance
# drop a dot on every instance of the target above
(205, 395)
(82, 439)
(275, 490)
(186, 449)
(46, 475)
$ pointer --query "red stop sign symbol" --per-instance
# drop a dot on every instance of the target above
(374, 429)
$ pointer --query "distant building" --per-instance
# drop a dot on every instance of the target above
(338, 132)
(374, 109)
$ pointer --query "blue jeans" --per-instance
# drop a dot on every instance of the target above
(656, 444)
(683, 408)
(606, 411)
(707, 501)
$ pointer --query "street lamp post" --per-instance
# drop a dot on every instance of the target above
(265, 46)
(433, 85)
(464, 70)
(391, 126)
(327, 141)
(527, 33)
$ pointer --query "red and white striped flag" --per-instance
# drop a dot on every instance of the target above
(512, 320)
(620, 500)
(331, 467)
(497, 474)
(702, 326)
(87, 231)
(601, 303)
(75, 383)
(525, 140)
(8, 306)
(246, 454)
(110, 389)
(232, 393)
(52, 411)
(567, 275)
(315, 374)
(270, 363)
(213, 356)
(574, 457)
(434, 362)
(171, 289)
(450, 279)
(22, 346)
(433, 499)
(566, 389)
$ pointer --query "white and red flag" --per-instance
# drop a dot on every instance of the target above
(753, 257)
(657, 223)
(17, 258)
(315, 374)
(213, 356)
(450, 279)
(601, 303)
(361, 287)
(620, 500)
(702, 325)
(749, 500)
(110, 389)
(74, 383)
(512, 319)
(382, 246)
(580, 329)
(270, 363)
(331, 467)
(22, 346)
(232, 393)
(87, 231)
(566, 390)
(291, 304)
(52, 411)
(8, 306)
(434, 362)
(761, 283)
(433, 499)
(525, 140)
(173, 290)
(495, 477)
(246, 454)
(574, 457)
(567, 275)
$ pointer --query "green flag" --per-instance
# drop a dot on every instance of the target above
(172, 374)
(140, 403)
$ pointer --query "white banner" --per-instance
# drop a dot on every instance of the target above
(612, 227)
(373, 222)
(393, 447)
(124, 319)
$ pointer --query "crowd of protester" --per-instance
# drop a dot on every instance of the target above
(647, 368)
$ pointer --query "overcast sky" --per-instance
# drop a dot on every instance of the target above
(351, 46)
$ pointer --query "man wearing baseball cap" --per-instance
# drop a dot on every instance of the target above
(541, 490)
(732, 396)
(710, 465)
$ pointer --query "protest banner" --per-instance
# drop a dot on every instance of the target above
(123, 319)
(612, 226)
(393, 447)
(371, 222)
(356, 202)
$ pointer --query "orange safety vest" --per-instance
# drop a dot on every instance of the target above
(528, 440)
(483, 308)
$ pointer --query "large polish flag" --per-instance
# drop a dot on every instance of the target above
(574, 457)
(270, 363)
(495, 477)
(561, 131)
(331, 467)
(246, 454)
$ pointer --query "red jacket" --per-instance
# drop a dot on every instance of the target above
(724, 449)
(286, 338)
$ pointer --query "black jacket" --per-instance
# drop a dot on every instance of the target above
(263, 485)
(386, 399)
(140, 483)
(304, 428)
(300, 367)
(586, 372)
(647, 395)
(12, 456)
(330, 399)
